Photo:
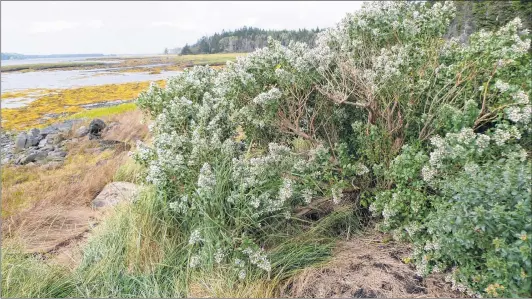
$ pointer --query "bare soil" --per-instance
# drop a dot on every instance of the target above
(368, 267)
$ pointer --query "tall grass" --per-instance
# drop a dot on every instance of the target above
(140, 251)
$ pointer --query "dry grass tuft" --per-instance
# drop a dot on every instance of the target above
(217, 285)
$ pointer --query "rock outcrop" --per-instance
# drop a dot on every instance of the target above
(114, 193)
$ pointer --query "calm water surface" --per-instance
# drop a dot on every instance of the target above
(15, 81)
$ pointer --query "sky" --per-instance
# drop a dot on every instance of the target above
(138, 27)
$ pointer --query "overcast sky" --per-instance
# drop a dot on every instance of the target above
(148, 27)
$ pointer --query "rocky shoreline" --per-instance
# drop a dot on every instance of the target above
(48, 146)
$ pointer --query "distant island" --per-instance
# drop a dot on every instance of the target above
(13, 56)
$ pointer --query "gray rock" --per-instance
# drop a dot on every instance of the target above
(34, 141)
(82, 131)
(54, 154)
(55, 138)
(34, 137)
(49, 130)
(42, 143)
(48, 148)
(35, 132)
(114, 193)
(59, 127)
(32, 157)
(22, 141)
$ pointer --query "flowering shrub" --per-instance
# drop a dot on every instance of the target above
(364, 110)
(226, 195)
(465, 205)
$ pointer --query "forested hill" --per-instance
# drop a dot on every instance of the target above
(247, 39)
(472, 16)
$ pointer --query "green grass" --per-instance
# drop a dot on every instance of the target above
(104, 111)
(210, 59)
(140, 252)
(27, 276)
(45, 66)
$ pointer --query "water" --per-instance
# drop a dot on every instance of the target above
(75, 78)
(52, 60)
(16, 81)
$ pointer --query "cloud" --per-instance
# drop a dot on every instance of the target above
(178, 25)
(95, 24)
(53, 26)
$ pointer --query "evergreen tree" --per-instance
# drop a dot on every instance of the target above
(186, 50)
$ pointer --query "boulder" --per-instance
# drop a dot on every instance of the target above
(57, 154)
(42, 143)
(22, 141)
(81, 131)
(95, 128)
(31, 157)
(55, 138)
(35, 132)
(34, 137)
(49, 130)
(34, 141)
(114, 193)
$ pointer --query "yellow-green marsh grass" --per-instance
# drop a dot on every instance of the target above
(104, 111)
(32, 92)
(68, 101)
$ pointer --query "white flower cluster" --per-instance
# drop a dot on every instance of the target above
(286, 190)
(307, 196)
(412, 228)
(361, 169)
(502, 135)
(471, 168)
(258, 258)
(336, 195)
(428, 173)
(194, 261)
(206, 179)
(268, 97)
(181, 205)
(219, 256)
(464, 144)
(519, 114)
(388, 211)
(195, 237)
(502, 86)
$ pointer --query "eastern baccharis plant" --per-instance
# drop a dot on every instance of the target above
(371, 99)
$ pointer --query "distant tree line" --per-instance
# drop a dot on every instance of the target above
(247, 39)
(470, 16)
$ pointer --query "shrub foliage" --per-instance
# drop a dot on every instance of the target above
(431, 134)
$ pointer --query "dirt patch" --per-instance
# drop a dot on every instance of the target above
(367, 267)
